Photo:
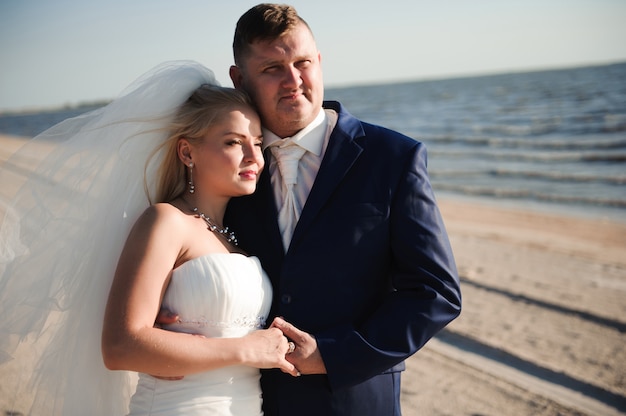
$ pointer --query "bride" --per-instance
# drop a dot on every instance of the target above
(156, 167)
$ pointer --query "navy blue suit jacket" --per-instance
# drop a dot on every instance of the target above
(369, 272)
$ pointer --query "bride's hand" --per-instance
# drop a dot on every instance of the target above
(267, 348)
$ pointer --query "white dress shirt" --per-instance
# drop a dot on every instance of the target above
(314, 138)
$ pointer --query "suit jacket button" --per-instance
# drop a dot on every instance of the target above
(286, 299)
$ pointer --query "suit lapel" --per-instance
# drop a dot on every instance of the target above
(268, 214)
(340, 155)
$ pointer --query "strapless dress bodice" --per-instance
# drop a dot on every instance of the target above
(216, 295)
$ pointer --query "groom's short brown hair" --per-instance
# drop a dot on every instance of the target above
(263, 22)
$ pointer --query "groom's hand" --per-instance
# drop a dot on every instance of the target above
(306, 357)
(166, 317)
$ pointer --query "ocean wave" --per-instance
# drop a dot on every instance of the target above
(551, 176)
(538, 157)
(577, 126)
(591, 143)
(527, 194)
(560, 176)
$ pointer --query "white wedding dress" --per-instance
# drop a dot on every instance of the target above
(69, 198)
(217, 295)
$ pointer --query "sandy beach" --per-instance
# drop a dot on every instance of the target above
(542, 330)
(542, 327)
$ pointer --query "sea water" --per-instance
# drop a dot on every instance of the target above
(553, 140)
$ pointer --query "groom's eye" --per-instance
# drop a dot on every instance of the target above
(273, 68)
(303, 64)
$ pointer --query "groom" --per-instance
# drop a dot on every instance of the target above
(360, 261)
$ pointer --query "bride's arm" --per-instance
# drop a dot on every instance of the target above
(129, 339)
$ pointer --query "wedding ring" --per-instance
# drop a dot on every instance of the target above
(292, 347)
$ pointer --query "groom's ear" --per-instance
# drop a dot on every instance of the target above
(235, 76)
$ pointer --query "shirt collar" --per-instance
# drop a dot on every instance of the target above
(310, 138)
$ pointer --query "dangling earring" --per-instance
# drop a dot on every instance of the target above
(192, 187)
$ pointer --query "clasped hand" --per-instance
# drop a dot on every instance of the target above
(306, 356)
(270, 348)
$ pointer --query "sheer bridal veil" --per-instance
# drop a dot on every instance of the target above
(69, 198)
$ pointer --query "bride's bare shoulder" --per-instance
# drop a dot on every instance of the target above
(164, 214)
(167, 208)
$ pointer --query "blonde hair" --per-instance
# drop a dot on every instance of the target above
(203, 108)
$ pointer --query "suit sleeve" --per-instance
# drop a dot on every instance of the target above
(425, 293)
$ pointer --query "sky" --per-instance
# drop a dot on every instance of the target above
(67, 52)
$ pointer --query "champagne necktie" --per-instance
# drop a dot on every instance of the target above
(287, 158)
